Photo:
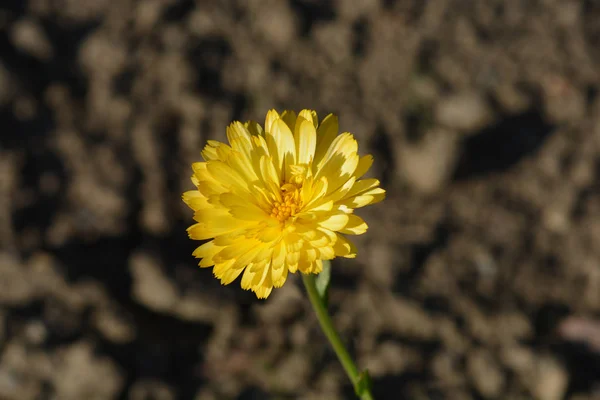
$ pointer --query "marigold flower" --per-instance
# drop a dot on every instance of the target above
(278, 200)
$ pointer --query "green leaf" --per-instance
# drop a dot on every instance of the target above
(363, 384)
(322, 282)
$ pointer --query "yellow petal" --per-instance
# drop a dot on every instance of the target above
(223, 173)
(315, 267)
(243, 207)
(292, 268)
(265, 255)
(221, 268)
(241, 162)
(324, 238)
(210, 188)
(325, 206)
(355, 226)
(272, 115)
(195, 200)
(205, 182)
(254, 128)
(363, 166)
(206, 252)
(278, 256)
(334, 222)
(214, 223)
(344, 145)
(348, 168)
(247, 258)
(269, 176)
(310, 115)
(264, 289)
(230, 238)
(293, 242)
(269, 234)
(340, 161)
(362, 186)
(344, 248)
(262, 198)
(289, 117)
(230, 275)
(236, 130)
(339, 171)
(305, 138)
(280, 141)
(200, 171)
(279, 278)
(326, 253)
(235, 250)
(311, 255)
(255, 275)
(370, 197)
(292, 257)
(259, 147)
(314, 193)
(304, 265)
(326, 133)
(210, 150)
(341, 192)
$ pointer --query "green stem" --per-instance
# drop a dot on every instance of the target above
(333, 336)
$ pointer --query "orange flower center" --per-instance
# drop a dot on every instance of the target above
(290, 204)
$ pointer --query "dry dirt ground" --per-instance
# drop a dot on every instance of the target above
(479, 277)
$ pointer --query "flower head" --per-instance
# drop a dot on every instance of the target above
(279, 199)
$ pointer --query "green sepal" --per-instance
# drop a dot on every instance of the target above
(322, 282)
(364, 384)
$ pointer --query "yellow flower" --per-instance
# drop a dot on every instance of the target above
(278, 200)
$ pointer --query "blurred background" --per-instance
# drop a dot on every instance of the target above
(479, 277)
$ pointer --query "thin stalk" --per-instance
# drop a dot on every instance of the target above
(333, 336)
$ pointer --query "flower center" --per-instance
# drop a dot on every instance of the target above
(290, 204)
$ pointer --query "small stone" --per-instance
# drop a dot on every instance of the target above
(485, 373)
(464, 111)
(406, 318)
(30, 38)
(511, 99)
(427, 165)
(36, 332)
(581, 330)
(384, 258)
(151, 390)
(292, 373)
(446, 368)
(563, 102)
(150, 285)
(551, 379)
(391, 358)
(519, 359)
(351, 10)
(275, 22)
(147, 13)
(80, 374)
(15, 285)
(113, 326)
(289, 303)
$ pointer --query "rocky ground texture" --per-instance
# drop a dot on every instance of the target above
(479, 277)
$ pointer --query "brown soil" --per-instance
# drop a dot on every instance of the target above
(479, 277)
